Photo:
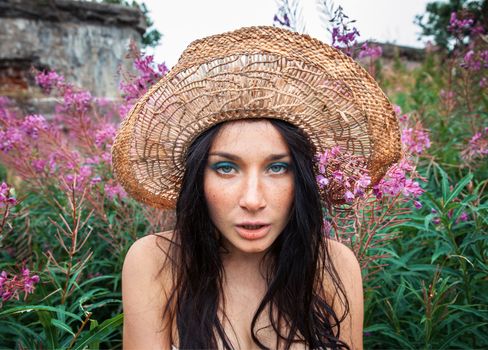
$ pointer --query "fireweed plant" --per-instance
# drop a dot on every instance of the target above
(419, 234)
(65, 223)
(424, 256)
(429, 289)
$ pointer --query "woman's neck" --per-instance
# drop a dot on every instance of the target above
(245, 269)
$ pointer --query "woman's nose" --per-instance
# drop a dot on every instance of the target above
(252, 196)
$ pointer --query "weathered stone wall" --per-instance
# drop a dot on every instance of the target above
(84, 41)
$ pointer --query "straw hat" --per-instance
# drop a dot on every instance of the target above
(252, 72)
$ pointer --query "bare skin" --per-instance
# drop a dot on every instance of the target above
(242, 185)
(144, 295)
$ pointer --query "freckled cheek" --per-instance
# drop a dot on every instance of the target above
(281, 195)
(218, 196)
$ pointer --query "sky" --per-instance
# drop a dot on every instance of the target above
(182, 21)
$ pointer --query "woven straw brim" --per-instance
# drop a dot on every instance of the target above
(252, 72)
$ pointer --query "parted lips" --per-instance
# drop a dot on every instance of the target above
(255, 72)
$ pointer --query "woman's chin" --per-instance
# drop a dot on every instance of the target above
(244, 247)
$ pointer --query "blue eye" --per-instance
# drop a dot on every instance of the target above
(278, 168)
(223, 167)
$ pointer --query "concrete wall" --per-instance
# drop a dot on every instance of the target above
(84, 41)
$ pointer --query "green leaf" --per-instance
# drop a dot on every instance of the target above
(93, 324)
(63, 326)
(455, 333)
(432, 202)
(51, 334)
(428, 220)
(96, 279)
(475, 237)
(103, 303)
(419, 226)
(471, 309)
(96, 344)
(405, 343)
(23, 334)
(444, 184)
(376, 327)
(459, 187)
(441, 249)
(30, 308)
(99, 332)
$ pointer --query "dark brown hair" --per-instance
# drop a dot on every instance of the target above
(298, 260)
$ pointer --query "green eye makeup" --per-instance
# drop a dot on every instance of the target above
(278, 168)
(223, 167)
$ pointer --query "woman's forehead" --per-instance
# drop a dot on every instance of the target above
(256, 135)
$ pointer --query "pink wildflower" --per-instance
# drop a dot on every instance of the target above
(447, 94)
(463, 217)
(49, 80)
(349, 196)
(415, 140)
(374, 52)
(471, 62)
(95, 180)
(334, 173)
(396, 182)
(484, 82)
(105, 135)
(107, 157)
(448, 98)
(338, 175)
(477, 30)
(114, 190)
(32, 124)
(39, 165)
(54, 160)
(364, 181)
(322, 181)
(459, 26)
(397, 109)
(79, 179)
(124, 109)
(483, 55)
(72, 160)
(13, 286)
(6, 197)
(10, 138)
(477, 146)
(93, 160)
(76, 100)
(343, 36)
(412, 188)
(149, 73)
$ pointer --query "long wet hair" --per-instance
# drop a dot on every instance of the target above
(298, 260)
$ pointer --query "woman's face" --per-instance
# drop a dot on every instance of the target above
(249, 185)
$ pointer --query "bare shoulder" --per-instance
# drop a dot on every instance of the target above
(349, 272)
(145, 288)
(343, 257)
(147, 244)
(147, 254)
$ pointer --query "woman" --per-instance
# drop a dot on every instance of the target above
(229, 138)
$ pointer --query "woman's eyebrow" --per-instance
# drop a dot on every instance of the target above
(237, 158)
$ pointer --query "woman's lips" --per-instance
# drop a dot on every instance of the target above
(252, 232)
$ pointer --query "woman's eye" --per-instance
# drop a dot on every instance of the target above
(278, 168)
(224, 168)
